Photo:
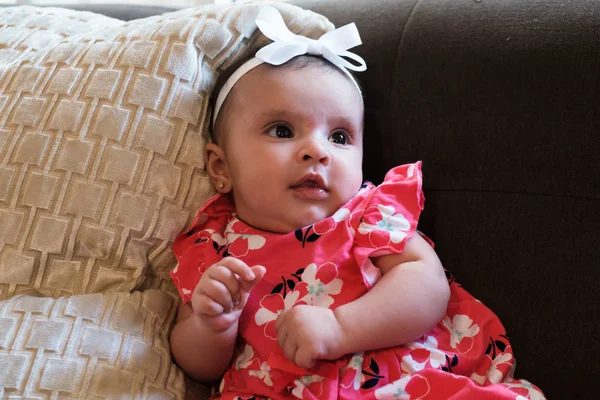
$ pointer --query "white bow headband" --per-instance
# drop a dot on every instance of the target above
(286, 45)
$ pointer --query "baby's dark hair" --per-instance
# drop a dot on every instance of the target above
(295, 63)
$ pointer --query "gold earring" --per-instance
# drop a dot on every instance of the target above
(221, 185)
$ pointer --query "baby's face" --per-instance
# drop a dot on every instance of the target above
(293, 146)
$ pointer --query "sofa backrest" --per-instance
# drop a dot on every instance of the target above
(500, 100)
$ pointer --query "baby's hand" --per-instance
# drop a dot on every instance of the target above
(222, 292)
(308, 333)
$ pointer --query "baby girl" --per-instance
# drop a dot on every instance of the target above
(300, 281)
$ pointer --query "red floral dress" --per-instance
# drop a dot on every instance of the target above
(328, 264)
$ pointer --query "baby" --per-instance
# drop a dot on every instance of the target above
(299, 281)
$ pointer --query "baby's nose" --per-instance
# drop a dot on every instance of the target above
(315, 151)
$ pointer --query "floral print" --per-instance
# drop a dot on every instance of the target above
(526, 391)
(423, 353)
(407, 388)
(328, 264)
(271, 306)
(245, 358)
(355, 364)
(263, 373)
(329, 224)
(308, 383)
(241, 242)
(396, 225)
(494, 375)
(461, 328)
(320, 283)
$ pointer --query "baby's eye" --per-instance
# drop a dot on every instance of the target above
(339, 137)
(280, 131)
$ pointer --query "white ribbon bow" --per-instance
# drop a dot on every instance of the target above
(286, 45)
(332, 46)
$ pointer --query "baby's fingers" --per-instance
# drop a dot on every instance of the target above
(207, 306)
(238, 267)
(218, 293)
(258, 271)
(246, 286)
(305, 358)
(229, 279)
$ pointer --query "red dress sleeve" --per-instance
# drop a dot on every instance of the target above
(389, 218)
(200, 246)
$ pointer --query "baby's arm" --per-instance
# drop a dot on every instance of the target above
(409, 299)
(203, 339)
(202, 353)
(407, 302)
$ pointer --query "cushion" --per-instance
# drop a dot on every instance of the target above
(101, 145)
(101, 165)
(89, 346)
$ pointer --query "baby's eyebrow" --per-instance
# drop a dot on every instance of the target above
(289, 116)
(279, 114)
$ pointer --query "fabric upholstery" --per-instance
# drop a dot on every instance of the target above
(499, 99)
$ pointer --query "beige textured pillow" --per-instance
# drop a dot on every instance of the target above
(88, 346)
(101, 145)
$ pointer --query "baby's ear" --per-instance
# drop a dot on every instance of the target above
(216, 166)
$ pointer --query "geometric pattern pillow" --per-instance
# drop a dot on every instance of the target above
(101, 139)
(89, 346)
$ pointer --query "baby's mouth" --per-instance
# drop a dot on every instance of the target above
(311, 188)
(311, 181)
(308, 184)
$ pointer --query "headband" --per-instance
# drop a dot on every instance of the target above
(286, 45)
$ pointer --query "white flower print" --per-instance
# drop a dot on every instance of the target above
(271, 306)
(411, 366)
(327, 225)
(397, 390)
(341, 215)
(460, 327)
(304, 382)
(532, 392)
(264, 373)
(493, 375)
(436, 358)
(396, 224)
(245, 358)
(353, 217)
(480, 379)
(366, 186)
(216, 237)
(322, 282)
(253, 242)
(355, 363)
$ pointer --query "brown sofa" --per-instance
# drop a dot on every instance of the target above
(500, 100)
